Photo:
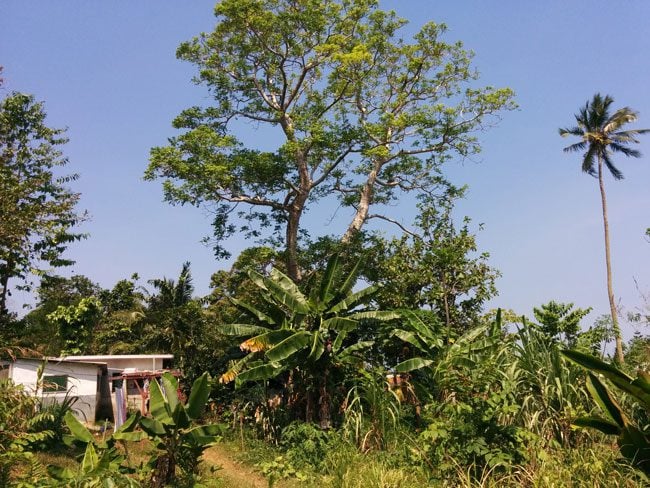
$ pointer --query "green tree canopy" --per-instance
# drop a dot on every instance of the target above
(435, 265)
(359, 114)
(560, 321)
(37, 210)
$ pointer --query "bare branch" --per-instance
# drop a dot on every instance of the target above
(395, 222)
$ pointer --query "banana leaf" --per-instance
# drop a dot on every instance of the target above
(257, 314)
(77, 428)
(198, 397)
(605, 426)
(638, 388)
(352, 300)
(326, 282)
(158, 406)
(413, 364)
(289, 346)
(285, 291)
(261, 372)
(240, 330)
(603, 398)
(383, 315)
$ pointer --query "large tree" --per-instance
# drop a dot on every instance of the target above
(358, 113)
(601, 136)
(37, 210)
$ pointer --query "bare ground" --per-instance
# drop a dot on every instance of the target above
(232, 472)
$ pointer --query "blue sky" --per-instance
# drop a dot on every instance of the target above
(107, 71)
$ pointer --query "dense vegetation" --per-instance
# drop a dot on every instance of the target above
(343, 361)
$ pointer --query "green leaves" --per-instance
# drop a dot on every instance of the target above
(289, 346)
(173, 426)
(198, 397)
(604, 400)
(158, 405)
(638, 387)
(332, 80)
(413, 364)
(37, 208)
(77, 428)
(634, 443)
(313, 330)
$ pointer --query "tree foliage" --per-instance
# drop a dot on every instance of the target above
(559, 321)
(359, 113)
(37, 210)
(435, 266)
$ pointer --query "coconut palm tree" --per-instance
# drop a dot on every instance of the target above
(601, 138)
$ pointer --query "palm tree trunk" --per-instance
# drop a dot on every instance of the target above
(608, 261)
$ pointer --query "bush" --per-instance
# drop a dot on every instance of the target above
(305, 444)
(18, 432)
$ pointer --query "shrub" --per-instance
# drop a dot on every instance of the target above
(305, 444)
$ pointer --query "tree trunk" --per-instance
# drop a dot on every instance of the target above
(4, 290)
(296, 207)
(293, 222)
(608, 261)
(324, 401)
(365, 199)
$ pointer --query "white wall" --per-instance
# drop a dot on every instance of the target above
(82, 378)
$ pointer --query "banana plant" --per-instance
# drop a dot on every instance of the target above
(299, 333)
(174, 429)
(633, 440)
(102, 463)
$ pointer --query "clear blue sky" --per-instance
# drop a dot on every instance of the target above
(107, 71)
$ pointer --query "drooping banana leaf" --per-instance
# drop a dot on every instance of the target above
(317, 348)
(78, 430)
(638, 388)
(265, 341)
(240, 330)
(413, 364)
(605, 426)
(410, 338)
(352, 300)
(261, 372)
(289, 346)
(257, 314)
(359, 346)
(340, 324)
(285, 291)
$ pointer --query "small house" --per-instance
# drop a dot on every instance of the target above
(107, 386)
(59, 379)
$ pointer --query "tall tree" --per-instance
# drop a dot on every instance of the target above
(359, 114)
(37, 210)
(601, 134)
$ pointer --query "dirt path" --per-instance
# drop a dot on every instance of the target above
(234, 473)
